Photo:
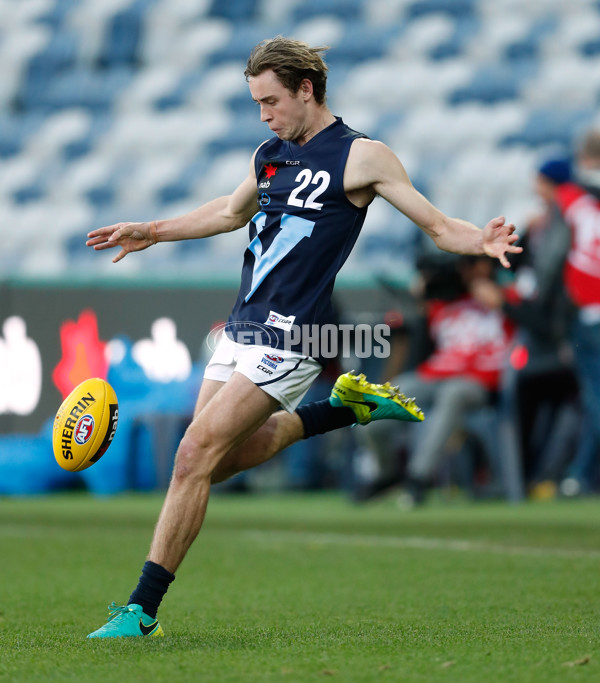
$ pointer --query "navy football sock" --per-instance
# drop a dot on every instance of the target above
(153, 584)
(321, 417)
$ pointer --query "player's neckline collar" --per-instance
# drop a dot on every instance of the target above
(322, 134)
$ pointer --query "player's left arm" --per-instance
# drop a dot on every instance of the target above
(372, 166)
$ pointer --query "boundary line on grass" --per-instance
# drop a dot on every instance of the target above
(266, 536)
(415, 543)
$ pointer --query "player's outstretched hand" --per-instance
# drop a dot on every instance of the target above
(499, 240)
(129, 236)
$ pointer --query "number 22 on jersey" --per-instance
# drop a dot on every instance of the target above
(321, 180)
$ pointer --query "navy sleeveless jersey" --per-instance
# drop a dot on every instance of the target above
(300, 237)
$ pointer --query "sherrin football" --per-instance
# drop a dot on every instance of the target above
(85, 425)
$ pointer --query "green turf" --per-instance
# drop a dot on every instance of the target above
(305, 588)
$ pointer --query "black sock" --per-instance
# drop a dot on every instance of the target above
(153, 584)
(321, 417)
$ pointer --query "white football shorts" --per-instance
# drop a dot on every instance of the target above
(284, 375)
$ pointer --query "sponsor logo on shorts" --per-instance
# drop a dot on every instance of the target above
(265, 360)
(273, 359)
(283, 322)
(265, 370)
(83, 429)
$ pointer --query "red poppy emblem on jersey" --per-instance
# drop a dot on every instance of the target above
(270, 170)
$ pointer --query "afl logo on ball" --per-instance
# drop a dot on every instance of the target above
(83, 429)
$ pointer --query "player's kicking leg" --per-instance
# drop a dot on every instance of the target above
(217, 446)
(353, 400)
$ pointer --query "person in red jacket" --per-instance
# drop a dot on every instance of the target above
(539, 389)
(579, 203)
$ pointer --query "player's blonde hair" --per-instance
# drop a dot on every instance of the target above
(291, 61)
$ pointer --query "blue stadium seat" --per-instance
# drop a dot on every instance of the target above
(543, 27)
(550, 127)
(15, 129)
(245, 36)
(247, 131)
(84, 87)
(521, 50)
(465, 28)
(123, 35)
(454, 8)
(177, 96)
(493, 84)
(338, 75)
(360, 42)
(75, 246)
(31, 193)
(528, 47)
(590, 48)
(102, 196)
(58, 14)
(387, 122)
(58, 57)
(100, 123)
(174, 192)
(183, 187)
(234, 10)
(243, 105)
(77, 149)
(350, 10)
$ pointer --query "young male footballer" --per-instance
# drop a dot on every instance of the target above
(305, 198)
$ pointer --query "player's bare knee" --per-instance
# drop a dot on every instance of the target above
(196, 459)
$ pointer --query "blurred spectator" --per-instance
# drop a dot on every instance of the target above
(539, 388)
(579, 203)
(466, 346)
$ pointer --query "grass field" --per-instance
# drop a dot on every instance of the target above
(305, 588)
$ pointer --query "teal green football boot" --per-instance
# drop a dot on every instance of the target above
(128, 621)
(372, 402)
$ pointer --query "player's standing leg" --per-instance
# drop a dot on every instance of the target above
(229, 417)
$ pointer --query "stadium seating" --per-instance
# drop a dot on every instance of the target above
(127, 109)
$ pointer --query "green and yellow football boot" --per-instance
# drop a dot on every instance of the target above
(372, 402)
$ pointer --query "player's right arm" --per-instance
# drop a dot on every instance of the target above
(217, 216)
